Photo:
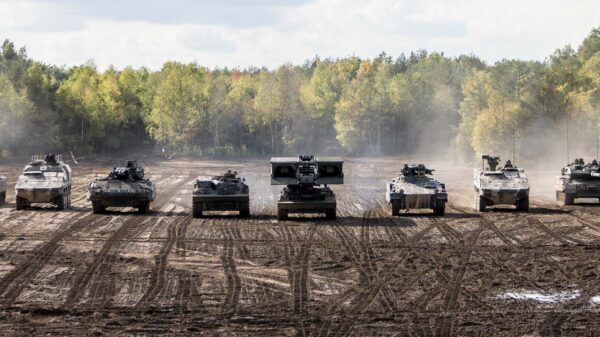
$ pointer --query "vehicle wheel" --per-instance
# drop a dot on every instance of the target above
(145, 208)
(282, 214)
(523, 205)
(480, 203)
(21, 203)
(61, 202)
(395, 207)
(569, 199)
(440, 208)
(2, 197)
(330, 214)
(197, 211)
(245, 211)
(97, 208)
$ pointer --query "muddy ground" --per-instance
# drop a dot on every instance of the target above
(365, 274)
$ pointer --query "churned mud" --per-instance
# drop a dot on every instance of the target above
(365, 274)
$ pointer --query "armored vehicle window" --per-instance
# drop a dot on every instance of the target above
(206, 184)
(329, 171)
(285, 171)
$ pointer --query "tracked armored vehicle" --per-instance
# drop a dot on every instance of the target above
(46, 179)
(414, 188)
(123, 187)
(226, 192)
(496, 185)
(302, 176)
(2, 189)
(578, 180)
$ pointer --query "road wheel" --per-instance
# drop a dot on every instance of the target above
(395, 207)
(523, 205)
(97, 207)
(197, 211)
(330, 214)
(440, 208)
(61, 202)
(144, 208)
(282, 214)
(569, 199)
(245, 210)
(2, 197)
(21, 203)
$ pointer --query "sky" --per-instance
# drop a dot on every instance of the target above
(243, 33)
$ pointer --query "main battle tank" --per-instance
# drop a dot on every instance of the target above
(46, 179)
(123, 187)
(226, 192)
(415, 188)
(500, 186)
(2, 189)
(303, 175)
(578, 180)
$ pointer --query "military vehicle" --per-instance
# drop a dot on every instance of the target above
(507, 185)
(46, 179)
(123, 187)
(2, 189)
(226, 192)
(414, 188)
(578, 180)
(302, 176)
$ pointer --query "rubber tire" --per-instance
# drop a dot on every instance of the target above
(440, 208)
(144, 208)
(395, 207)
(61, 203)
(2, 197)
(245, 210)
(282, 214)
(480, 204)
(330, 214)
(97, 208)
(197, 211)
(21, 203)
(523, 205)
(569, 199)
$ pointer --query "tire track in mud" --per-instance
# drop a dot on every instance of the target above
(158, 278)
(98, 273)
(17, 279)
(234, 284)
(567, 241)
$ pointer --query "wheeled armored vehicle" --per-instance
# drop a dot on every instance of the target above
(123, 187)
(578, 180)
(494, 185)
(414, 188)
(226, 192)
(2, 189)
(46, 179)
(303, 176)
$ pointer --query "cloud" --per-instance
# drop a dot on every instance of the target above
(237, 33)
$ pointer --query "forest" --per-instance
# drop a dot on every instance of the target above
(419, 103)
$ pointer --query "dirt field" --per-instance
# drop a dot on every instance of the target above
(365, 274)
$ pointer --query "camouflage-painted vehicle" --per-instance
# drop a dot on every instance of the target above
(226, 192)
(414, 188)
(302, 176)
(2, 189)
(46, 179)
(123, 187)
(507, 185)
(578, 180)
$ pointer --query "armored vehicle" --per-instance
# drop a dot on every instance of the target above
(302, 176)
(123, 187)
(2, 189)
(46, 179)
(226, 192)
(415, 188)
(506, 185)
(578, 180)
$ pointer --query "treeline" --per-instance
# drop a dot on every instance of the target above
(423, 102)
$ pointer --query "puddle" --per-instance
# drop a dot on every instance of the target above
(595, 300)
(536, 296)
